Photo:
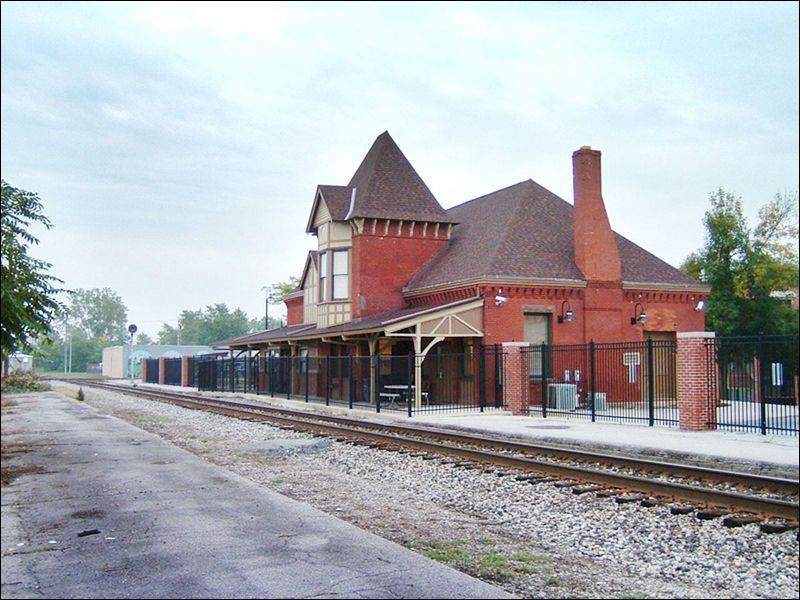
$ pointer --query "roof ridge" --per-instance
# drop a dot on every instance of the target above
(508, 231)
(508, 187)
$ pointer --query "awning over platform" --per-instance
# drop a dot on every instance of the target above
(463, 318)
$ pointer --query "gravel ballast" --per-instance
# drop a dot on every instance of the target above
(534, 540)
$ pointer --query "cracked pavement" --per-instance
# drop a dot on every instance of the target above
(174, 526)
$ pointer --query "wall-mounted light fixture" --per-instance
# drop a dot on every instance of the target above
(566, 315)
(499, 298)
(639, 316)
(700, 305)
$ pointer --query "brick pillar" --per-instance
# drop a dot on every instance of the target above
(162, 371)
(185, 371)
(143, 372)
(515, 378)
(695, 366)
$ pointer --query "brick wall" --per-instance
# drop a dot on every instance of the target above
(294, 310)
(515, 378)
(697, 406)
(185, 370)
(382, 265)
(162, 372)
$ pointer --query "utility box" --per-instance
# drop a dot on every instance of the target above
(562, 396)
(600, 401)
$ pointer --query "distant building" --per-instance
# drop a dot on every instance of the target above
(118, 360)
(21, 362)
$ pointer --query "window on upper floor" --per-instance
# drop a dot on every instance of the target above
(323, 276)
(340, 275)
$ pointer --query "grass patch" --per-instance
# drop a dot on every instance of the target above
(447, 552)
(495, 565)
(68, 376)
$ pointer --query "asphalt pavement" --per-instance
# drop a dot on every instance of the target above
(107, 510)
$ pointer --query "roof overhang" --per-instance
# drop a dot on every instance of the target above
(463, 319)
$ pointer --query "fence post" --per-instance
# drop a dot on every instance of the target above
(328, 360)
(185, 367)
(270, 382)
(305, 359)
(377, 390)
(593, 386)
(651, 384)
(352, 380)
(289, 360)
(762, 408)
(516, 378)
(482, 376)
(697, 409)
(409, 377)
(543, 362)
(498, 377)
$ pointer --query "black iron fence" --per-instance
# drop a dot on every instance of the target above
(172, 371)
(624, 382)
(449, 382)
(754, 383)
(151, 376)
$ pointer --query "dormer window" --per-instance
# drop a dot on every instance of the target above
(340, 275)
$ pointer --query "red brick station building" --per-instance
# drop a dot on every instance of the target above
(395, 273)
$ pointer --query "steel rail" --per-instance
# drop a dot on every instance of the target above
(298, 419)
(752, 480)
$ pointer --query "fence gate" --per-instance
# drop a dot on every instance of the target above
(754, 383)
(622, 382)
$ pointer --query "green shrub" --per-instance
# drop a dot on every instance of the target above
(22, 381)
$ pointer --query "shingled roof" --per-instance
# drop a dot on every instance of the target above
(525, 232)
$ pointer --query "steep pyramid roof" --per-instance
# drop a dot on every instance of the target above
(388, 187)
(525, 232)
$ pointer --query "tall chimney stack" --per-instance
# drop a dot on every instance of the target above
(596, 252)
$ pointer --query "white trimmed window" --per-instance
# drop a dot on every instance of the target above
(341, 278)
(323, 276)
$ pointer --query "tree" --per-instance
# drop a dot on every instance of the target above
(100, 314)
(143, 339)
(28, 293)
(276, 292)
(745, 267)
(213, 323)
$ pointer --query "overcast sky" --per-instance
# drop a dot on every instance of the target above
(177, 147)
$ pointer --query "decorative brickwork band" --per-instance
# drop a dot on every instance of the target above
(696, 403)
(162, 371)
(515, 378)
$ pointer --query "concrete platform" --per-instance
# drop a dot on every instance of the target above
(736, 446)
(120, 513)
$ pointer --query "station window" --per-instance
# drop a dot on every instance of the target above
(340, 275)
(323, 276)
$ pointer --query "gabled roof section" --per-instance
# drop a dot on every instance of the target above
(310, 259)
(388, 187)
(525, 232)
(336, 199)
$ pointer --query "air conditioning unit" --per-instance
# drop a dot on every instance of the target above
(600, 401)
(562, 396)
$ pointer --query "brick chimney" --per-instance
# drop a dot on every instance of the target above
(596, 252)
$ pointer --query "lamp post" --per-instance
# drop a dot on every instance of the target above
(131, 329)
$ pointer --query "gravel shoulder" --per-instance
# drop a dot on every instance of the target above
(533, 541)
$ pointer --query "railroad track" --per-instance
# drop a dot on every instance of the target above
(630, 479)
